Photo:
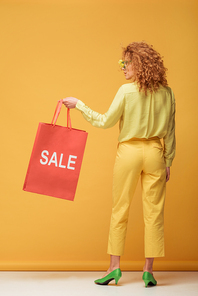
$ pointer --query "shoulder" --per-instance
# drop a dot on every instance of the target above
(166, 89)
(129, 88)
(169, 92)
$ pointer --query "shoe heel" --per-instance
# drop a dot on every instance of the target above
(117, 279)
(146, 283)
(149, 279)
(118, 276)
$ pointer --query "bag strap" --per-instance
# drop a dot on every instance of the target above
(68, 119)
(57, 112)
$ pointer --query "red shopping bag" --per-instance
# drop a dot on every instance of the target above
(56, 159)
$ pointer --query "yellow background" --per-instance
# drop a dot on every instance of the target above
(54, 49)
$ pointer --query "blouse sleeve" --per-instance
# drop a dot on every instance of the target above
(108, 119)
(169, 139)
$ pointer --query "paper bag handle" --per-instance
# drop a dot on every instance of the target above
(57, 112)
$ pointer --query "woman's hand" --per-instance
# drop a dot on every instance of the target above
(167, 173)
(70, 102)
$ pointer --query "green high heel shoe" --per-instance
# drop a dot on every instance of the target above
(149, 279)
(114, 275)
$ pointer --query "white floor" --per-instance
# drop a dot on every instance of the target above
(82, 283)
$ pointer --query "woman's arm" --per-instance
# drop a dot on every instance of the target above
(106, 120)
(167, 174)
(169, 139)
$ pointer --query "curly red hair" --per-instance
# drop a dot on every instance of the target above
(148, 66)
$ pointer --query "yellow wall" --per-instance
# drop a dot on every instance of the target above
(53, 49)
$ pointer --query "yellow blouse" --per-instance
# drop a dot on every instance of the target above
(140, 116)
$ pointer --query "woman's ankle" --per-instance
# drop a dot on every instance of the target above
(148, 266)
(148, 270)
(114, 263)
(112, 268)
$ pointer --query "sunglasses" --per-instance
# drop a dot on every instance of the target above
(123, 64)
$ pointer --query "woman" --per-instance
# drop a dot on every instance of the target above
(146, 110)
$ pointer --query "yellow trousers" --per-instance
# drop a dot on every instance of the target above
(134, 158)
